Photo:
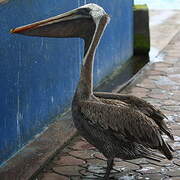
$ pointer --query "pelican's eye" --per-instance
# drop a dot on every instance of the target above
(84, 11)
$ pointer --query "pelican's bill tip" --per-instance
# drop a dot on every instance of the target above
(12, 31)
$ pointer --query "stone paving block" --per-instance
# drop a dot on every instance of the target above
(146, 85)
(170, 59)
(176, 145)
(69, 160)
(82, 145)
(155, 78)
(177, 162)
(138, 161)
(67, 170)
(139, 94)
(99, 155)
(158, 96)
(162, 65)
(157, 73)
(177, 133)
(53, 176)
(88, 175)
(173, 178)
(174, 54)
(163, 163)
(126, 166)
(175, 126)
(171, 108)
(168, 87)
(176, 97)
(150, 169)
(96, 162)
(139, 90)
(171, 101)
(82, 154)
(156, 176)
(175, 172)
(175, 77)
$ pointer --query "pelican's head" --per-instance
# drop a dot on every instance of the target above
(87, 22)
(81, 22)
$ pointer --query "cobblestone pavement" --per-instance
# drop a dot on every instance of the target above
(159, 84)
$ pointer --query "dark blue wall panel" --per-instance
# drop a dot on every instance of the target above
(38, 76)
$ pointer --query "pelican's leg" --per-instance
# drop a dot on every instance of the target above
(108, 169)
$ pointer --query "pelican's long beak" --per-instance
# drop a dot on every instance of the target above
(74, 23)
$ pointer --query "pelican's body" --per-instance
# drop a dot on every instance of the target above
(117, 125)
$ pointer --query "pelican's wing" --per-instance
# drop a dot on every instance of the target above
(124, 121)
(142, 106)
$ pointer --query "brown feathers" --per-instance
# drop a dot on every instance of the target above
(123, 120)
(140, 105)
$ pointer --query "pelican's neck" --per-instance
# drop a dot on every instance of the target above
(85, 86)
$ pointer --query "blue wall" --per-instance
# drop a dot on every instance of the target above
(38, 76)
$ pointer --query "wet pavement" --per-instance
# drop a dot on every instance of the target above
(159, 84)
(164, 24)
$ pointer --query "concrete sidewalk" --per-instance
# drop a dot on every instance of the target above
(159, 84)
(164, 24)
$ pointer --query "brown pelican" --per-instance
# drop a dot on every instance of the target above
(117, 125)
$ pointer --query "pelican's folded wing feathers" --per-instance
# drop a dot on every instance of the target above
(124, 121)
(142, 106)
